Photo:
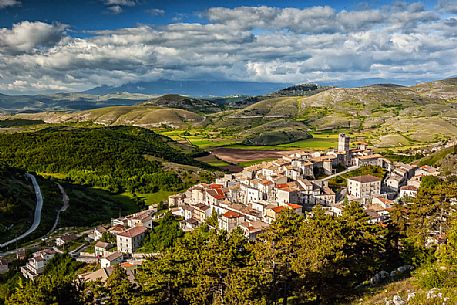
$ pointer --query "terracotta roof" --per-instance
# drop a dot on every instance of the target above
(365, 179)
(133, 232)
(216, 193)
(231, 214)
(278, 209)
(294, 206)
(266, 182)
(215, 186)
(281, 185)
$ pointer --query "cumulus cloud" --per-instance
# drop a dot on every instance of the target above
(449, 6)
(8, 3)
(28, 36)
(403, 41)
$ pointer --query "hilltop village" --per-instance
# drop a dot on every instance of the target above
(253, 198)
(250, 200)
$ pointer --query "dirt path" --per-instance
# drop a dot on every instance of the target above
(66, 204)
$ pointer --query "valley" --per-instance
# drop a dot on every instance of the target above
(124, 161)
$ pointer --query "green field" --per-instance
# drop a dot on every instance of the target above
(318, 142)
(206, 139)
(149, 199)
(213, 161)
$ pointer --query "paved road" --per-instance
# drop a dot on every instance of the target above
(340, 173)
(37, 215)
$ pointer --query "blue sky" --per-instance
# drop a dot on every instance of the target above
(54, 45)
(96, 15)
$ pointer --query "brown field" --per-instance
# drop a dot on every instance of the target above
(233, 155)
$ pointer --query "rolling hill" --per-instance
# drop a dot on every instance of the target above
(389, 115)
(183, 102)
(141, 116)
(386, 115)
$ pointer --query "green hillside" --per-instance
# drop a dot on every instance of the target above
(88, 206)
(17, 203)
(142, 116)
(183, 102)
(385, 115)
(116, 158)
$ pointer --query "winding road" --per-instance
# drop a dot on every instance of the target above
(65, 206)
(37, 215)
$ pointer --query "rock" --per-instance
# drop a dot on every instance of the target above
(383, 274)
(397, 300)
(432, 293)
(411, 295)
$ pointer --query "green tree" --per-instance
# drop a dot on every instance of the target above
(120, 290)
(274, 252)
(56, 286)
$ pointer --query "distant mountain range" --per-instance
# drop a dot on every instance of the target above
(193, 88)
(66, 102)
(198, 96)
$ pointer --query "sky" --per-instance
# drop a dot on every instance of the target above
(70, 46)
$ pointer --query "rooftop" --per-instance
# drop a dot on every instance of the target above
(365, 179)
(114, 256)
(102, 244)
(231, 214)
(278, 209)
(368, 157)
(408, 188)
(133, 232)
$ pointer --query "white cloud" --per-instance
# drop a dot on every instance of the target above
(315, 44)
(27, 36)
(8, 3)
(449, 6)
(115, 6)
(156, 12)
(116, 9)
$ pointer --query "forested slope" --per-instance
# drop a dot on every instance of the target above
(117, 158)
